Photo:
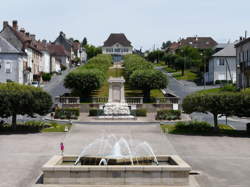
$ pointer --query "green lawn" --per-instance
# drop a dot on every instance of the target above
(169, 69)
(188, 75)
(57, 128)
(160, 64)
(224, 129)
(104, 90)
(213, 90)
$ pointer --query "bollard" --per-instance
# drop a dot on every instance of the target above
(248, 128)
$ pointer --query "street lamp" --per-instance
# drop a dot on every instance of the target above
(204, 75)
(184, 64)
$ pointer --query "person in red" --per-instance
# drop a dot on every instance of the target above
(62, 147)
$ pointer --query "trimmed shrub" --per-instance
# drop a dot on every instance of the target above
(87, 78)
(29, 126)
(95, 112)
(46, 76)
(168, 115)
(223, 82)
(229, 88)
(194, 127)
(139, 112)
(67, 113)
(63, 67)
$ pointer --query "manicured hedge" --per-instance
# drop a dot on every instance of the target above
(67, 113)
(194, 127)
(87, 78)
(168, 115)
(46, 76)
(30, 126)
(95, 112)
(139, 112)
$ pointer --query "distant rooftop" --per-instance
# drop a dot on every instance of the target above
(117, 38)
(6, 47)
(228, 51)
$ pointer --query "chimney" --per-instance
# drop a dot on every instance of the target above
(245, 34)
(15, 25)
(27, 34)
(5, 24)
(33, 37)
(22, 30)
(44, 41)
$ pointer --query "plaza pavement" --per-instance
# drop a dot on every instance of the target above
(223, 161)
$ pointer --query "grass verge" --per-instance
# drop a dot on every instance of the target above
(201, 128)
(188, 75)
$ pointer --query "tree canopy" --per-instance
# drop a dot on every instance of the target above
(218, 103)
(87, 78)
(17, 99)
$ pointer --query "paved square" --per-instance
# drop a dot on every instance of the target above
(224, 161)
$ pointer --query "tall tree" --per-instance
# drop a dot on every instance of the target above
(84, 41)
(147, 80)
(165, 45)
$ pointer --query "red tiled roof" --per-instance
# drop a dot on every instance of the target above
(199, 42)
(57, 50)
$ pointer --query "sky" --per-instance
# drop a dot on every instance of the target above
(146, 23)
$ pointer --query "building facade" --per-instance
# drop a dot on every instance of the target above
(12, 63)
(222, 66)
(26, 43)
(117, 45)
(243, 63)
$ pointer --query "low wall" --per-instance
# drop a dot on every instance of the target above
(172, 175)
(151, 108)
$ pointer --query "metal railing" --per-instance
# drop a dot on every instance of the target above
(129, 100)
(67, 100)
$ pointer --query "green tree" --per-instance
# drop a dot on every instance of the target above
(83, 82)
(218, 103)
(84, 42)
(147, 80)
(155, 56)
(87, 78)
(92, 51)
(166, 45)
(16, 99)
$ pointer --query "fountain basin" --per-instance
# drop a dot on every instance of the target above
(171, 171)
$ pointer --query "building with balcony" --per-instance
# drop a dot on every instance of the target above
(117, 45)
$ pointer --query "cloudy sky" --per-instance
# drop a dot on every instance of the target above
(145, 22)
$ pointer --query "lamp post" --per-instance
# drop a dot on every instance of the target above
(204, 75)
(184, 63)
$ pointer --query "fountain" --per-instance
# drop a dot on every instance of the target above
(116, 106)
(115, 161)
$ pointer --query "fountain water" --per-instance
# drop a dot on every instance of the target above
(110, 148)
(111, 160)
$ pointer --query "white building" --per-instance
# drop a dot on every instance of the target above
(222, 65)
(117, 45)
(12, 63)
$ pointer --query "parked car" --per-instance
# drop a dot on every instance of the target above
(35, 84)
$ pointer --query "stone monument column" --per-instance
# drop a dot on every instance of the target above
(122, 93)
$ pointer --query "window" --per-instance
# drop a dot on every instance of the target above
(7, 67)
(221, 62)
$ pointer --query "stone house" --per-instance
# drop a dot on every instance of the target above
(195, 42)
(58, 56)
(12, 63)
(26, 43)
(73, 48)
(117, 45)
(222, 65)
(243, 63)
